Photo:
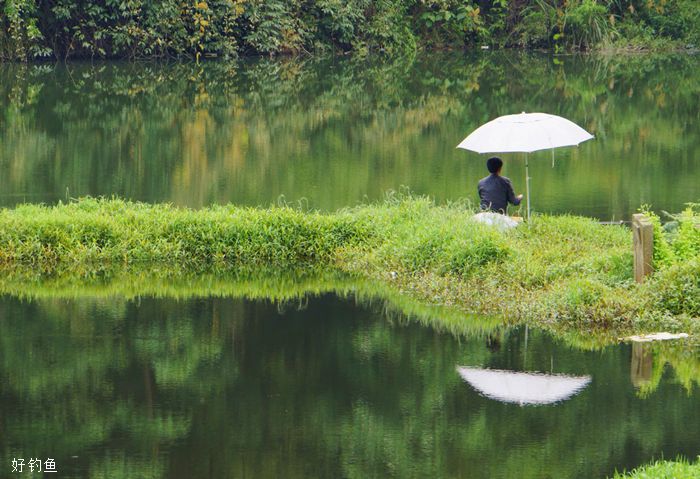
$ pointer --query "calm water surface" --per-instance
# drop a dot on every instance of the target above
(218, 388)
(334, 132)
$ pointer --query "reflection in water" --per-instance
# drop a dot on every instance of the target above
(224, 387)
(649, 365)
(337, 131)
(523, 388)
(642, 364)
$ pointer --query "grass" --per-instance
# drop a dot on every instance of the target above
(561, 272)
(678, 469)
(91, 232)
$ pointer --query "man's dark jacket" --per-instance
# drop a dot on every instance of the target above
(496, 192)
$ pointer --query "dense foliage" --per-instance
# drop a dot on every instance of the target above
(32, 29)
(678, 240)
(677, 256)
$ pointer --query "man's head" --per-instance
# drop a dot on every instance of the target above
(494, 164)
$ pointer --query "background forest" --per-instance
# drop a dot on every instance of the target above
(34, 29)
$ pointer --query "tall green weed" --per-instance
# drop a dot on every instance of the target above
(677, 241)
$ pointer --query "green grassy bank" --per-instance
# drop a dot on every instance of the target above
(679, 469)
(563, 273)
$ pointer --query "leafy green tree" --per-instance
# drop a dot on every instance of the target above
(31, 29)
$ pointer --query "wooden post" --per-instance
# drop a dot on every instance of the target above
(643, 234)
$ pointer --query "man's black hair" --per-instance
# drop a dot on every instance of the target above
(494, 164)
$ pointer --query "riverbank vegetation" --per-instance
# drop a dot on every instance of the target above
(679, 469)
(561, 272)
(30, 29)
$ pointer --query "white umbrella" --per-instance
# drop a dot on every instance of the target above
(523, 388)
(524, 133)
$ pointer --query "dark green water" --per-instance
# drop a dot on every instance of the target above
(336, 132)
(217, 388)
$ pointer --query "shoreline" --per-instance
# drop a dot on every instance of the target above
(600, 50)
(565, 274)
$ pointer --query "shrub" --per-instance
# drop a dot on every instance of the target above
(588, 23)
(685, 241)
(677, 241)
(677, 288)
(535, 28)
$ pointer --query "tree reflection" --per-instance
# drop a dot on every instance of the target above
(335, 131)
(221, 387)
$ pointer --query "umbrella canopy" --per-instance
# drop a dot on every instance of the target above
(523, 388)
(525, 133)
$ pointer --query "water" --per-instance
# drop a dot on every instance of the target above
(329, 133)
(321, 387)
(223, 387)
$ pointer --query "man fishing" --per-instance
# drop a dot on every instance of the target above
(496, 191)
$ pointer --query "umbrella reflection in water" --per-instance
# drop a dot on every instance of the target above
(523, 387)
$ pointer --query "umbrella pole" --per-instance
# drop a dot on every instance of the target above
(527, 184)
